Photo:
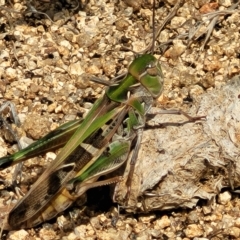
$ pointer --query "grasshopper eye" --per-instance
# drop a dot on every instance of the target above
(151, 69)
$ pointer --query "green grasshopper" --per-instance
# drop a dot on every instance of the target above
(92, 147)
(96, 147)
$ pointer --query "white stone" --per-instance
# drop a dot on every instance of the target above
(224, 198)
(18, 235)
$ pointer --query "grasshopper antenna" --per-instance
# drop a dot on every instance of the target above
(153, 25)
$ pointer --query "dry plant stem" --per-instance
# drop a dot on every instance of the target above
(210, 29)
(215, 16)
(212, 17)
(32, 9)
(215, 20)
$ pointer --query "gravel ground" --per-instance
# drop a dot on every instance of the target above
(48, 51)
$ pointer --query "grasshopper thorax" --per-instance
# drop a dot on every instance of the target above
(147, 70)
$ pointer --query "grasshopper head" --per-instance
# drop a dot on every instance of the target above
(147, 70)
